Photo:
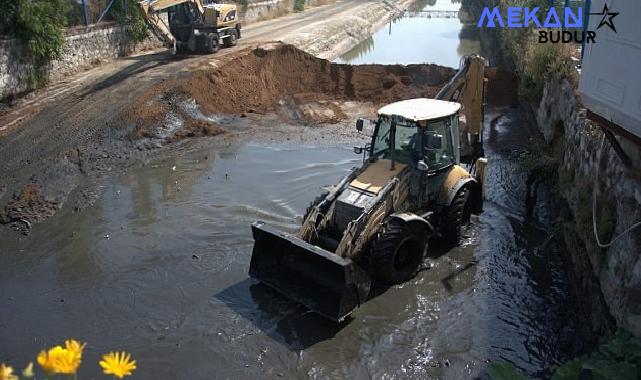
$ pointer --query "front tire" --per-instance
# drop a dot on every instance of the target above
(397, 252)
(456, 216)
(212, 45)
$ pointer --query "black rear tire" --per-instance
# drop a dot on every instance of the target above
(211, 45)
(456, 216)
(397, 252)
(232, 40)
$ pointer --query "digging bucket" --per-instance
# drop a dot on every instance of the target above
(322, 281)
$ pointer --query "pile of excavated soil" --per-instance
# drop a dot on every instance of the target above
(262, 80)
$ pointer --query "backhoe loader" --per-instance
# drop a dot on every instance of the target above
(191, 25)
(375, 224)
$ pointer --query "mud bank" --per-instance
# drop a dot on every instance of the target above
(264, 88)
(278, 77)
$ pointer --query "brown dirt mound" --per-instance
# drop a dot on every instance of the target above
(196, 128)
(259, 80)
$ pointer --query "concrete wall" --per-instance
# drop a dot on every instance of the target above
(263, 10)
(18, 73)
(615, 270)
(267, 9)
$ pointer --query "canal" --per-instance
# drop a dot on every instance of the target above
(427, 33)
(158, 265)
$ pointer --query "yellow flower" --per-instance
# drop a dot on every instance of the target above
(6, 373)
(118, 364)
(62, 360)
(28, 371)
(76, 348)
(44, 361)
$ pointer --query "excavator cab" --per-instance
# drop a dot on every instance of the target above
(422, 134)
(433, 142)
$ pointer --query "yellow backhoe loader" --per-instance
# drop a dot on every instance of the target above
(377, 221)
(187, 26)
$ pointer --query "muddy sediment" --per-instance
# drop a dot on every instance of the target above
(27, 207)
(281, 76)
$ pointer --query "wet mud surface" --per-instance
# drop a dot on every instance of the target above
(158, 265)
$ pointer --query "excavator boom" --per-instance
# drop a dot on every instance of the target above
(468, 88)
(158, 5)
(157, 23)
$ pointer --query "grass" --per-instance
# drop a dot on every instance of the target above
(619, 358)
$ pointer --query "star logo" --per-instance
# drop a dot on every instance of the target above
(607, 18)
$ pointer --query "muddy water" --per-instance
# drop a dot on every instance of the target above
(158, 266)
(406, 40)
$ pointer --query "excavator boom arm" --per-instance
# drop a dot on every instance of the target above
(151, 12)
(466, 87)
(158, 5)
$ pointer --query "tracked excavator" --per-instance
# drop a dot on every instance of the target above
(375, 224)
(191, 25)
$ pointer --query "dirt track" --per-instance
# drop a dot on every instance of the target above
(110, 117)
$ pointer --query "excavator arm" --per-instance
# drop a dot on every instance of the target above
(151, 12)
(468, 88)
(159, 5)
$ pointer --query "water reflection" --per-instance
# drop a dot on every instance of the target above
(360, 50)
(420, 5)
(419, 39)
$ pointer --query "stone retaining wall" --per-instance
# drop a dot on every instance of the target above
(617, 269)
(18, 73)
(268, 9)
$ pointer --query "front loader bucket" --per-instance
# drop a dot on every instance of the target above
(324, 282)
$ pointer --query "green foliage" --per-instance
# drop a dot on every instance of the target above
(38, 23)
(569, 370)
(541, 62)
(299, 5)
(505, 371)
(37, 79)
(617, 359)
(131, 17)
